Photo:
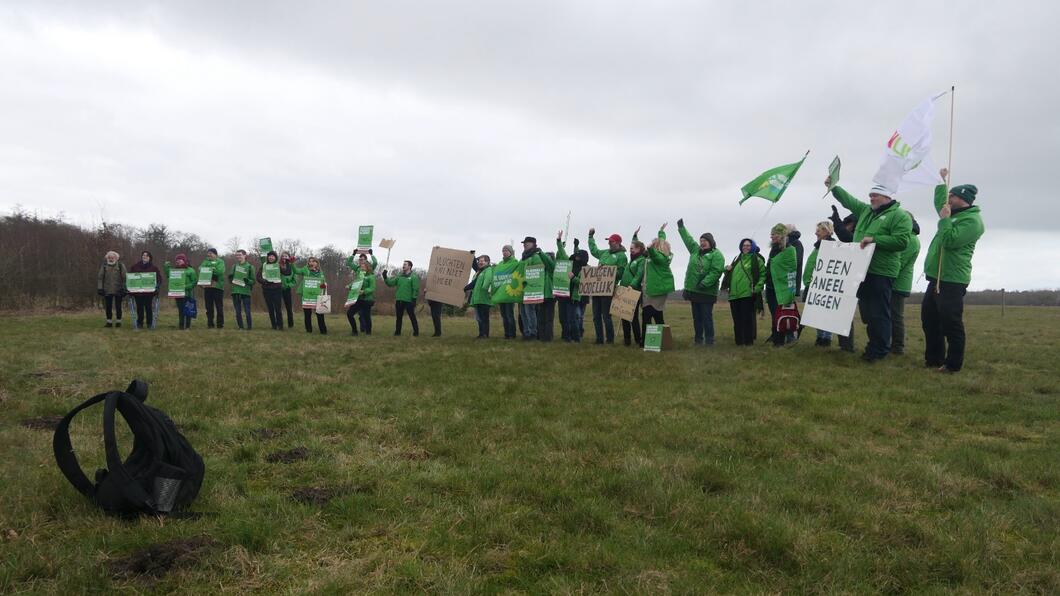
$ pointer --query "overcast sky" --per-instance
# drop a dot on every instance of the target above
(469, 124)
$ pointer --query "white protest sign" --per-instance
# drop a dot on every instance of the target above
(832, 295)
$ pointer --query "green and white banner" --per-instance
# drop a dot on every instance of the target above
(239, 275)
(270, 272)
(507, 285)
(534, 290)
(205, 275)
(355, 291)
(177, 283)
(561, 279)
(140, 283)
(310, 291)
(653, 338)
(364, 238)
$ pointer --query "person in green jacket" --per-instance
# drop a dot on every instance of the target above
(190, 276)
(408, 290)
(903, 285)
(884, 223)
(481, 296)
(658, 281)
(948, 267)
(533, 256)
(615, 256)
(212, 278)
(313, 282)
(745, 278)
(110, 285)
(702, 276)
(242, 278)
(288, 281)
(781, 272)
(570, 307)
(633, 277)
(502, 270)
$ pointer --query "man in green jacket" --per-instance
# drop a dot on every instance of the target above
(884, 223)
(702, 276)
(633, 277)
(408, 290)
(615, 256)
(948, 268)
(481, 297)
(903, 285)
(534, 257)
(213, 270)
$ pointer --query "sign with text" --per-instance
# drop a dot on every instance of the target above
(832, 294)
(447, 275)
(658, 338)
(364, 238)
(264, 246)
(178, 284)
(598, 281)
(534, 289)
(624, 303)
(561, 279)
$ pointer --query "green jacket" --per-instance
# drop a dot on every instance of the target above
(351, 262)
(891, 230)
(408, 286)
(704, 270)
(783, 268)
(903, 284)
(575, 282)
(218, 267)
(304, 272)
(633, 275)
(742, 280)
(191, 277)
(544, 260)
(244, 290)
(949, 257)
(482, 291)
(368, 287)
(658, 279)
(607, 257)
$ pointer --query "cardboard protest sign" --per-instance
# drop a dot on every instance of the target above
(177, 283)
(832, 295)
(447, 275)
(561, 279)
(658, 338)
(624, 303)
(364, 238)
(386, 243)
(264, 245)
(598, 281)
(270, 272)
(534, 290)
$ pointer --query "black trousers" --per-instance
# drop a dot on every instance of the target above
(602, 323)
(482, 317)
(942, 316)
(508, 319)
(215, 304)
(898, 322)
(364, 313)
(112, 304)
(402, 308)
(351, 316)
(650, 316)
(633, 327)
(144, 308)
(273, 299)
(183, 321)
(744, 326)
(874, 300)
(564, 307)
(546, 319)
(321, 324)
(771, 301)
(436, 316)
(287, 302)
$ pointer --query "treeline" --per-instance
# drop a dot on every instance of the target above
(1007, 297)
(52, 264)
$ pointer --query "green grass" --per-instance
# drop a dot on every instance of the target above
(466, 466)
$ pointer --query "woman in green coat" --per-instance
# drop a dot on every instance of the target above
(481, 297)
(705, 266)
(745, 277)
(184, 275)
(781, 271)
(313, 285)
(658, 281)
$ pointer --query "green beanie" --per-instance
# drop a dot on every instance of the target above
(966, 192)
(779, 229)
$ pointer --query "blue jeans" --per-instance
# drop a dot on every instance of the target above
(602, 322)
(874, 300)
(529, 314)
(576, 311)
(703, 321)
(241, 303)
(824, 335)
(508, 319)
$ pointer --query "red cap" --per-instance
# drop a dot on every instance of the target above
(615, 238)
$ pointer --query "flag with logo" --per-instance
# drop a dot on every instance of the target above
(771, 184)
(508, 281)
(907, 155)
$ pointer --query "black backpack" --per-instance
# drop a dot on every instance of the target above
(163, 472)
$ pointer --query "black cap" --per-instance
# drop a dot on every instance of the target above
(529, 239)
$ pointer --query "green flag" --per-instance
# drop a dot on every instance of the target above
(771, 184)
(507, 286)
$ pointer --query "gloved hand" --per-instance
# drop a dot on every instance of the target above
(835, 212)
(681, 223)
(385, 273)
(576, 243)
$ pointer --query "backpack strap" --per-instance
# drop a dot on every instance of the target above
(140, 421)
(64, 450)
(138, 389)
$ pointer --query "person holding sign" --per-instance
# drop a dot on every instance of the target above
(270, 277)
(110, 285)
(147, 290)
(781, 279)
(565, 290)
(181, 286)
(366, 298)
(615, 255)
(312, 286)
(242, 279)
(633, 277)
(705, 267)
(948, 268)
(503, 273)
(481, 298)
(575, 304)
(824, 233)
(884, 223)
(353, 297)
(288, 281)
(530, 307)
(408, 290)
(658, 281)
(211, 277)
(745, 277)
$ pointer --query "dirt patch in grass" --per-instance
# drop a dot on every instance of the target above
(417, 454)
(42, 422)
(158, 559)
(288, 456)
(320, 495)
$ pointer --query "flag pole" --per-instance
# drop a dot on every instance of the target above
(949, 160)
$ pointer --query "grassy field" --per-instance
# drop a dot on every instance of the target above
(382, 464)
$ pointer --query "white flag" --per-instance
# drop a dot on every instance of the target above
(907, 156)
